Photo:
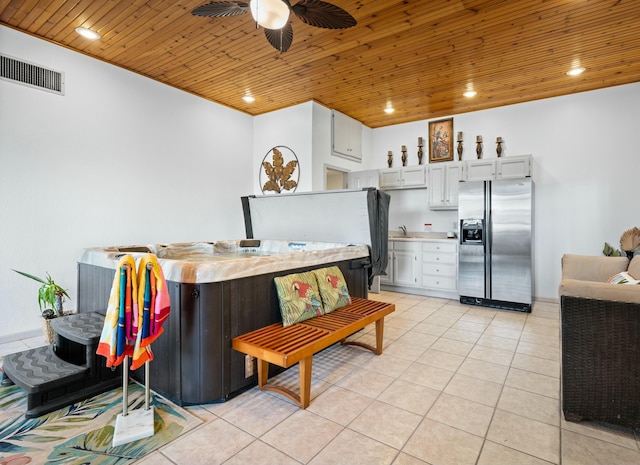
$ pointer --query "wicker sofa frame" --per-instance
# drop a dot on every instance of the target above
(600, 340)
(601, 361)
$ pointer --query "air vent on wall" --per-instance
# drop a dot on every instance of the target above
(29, 74)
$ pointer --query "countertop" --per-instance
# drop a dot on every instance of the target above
(420, 236)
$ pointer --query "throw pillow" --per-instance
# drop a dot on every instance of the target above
(623, 278)
(333, 288)
(299, 297)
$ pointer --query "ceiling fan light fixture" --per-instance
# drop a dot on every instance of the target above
(270, 14)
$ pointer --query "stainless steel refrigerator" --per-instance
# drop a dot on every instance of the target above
(495, 259)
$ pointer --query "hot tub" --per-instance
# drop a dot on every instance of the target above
(218, 290)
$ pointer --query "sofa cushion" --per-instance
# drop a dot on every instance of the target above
(634, 267)
(600, 291)
(299, 297)
(592, 268)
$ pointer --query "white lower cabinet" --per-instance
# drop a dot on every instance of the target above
(440, 266)
(402, 265)
(387, 278)
(430, 267)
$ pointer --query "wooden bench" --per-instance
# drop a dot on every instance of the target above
(288, 345)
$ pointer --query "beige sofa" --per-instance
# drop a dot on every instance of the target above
(600, 340)
(586, 276)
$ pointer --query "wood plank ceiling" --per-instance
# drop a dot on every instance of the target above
(417, 55)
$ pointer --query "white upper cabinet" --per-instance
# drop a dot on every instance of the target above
(346, 136)
(362, 179)
(414, 176)
(408, 177)
(499, 168)
(481, 170)
(443, 185)
(390, 178)
(514, 167)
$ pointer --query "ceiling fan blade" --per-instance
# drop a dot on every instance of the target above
(221, 9)
(281, 39)
(322, 14)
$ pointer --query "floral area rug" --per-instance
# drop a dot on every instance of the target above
(82, 433)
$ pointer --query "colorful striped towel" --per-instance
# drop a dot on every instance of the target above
(115, 340)
(153, 308)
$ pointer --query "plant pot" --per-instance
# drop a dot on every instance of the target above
(47, 331)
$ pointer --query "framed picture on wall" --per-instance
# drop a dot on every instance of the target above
(441, 140)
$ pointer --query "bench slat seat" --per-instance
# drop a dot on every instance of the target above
(287, 345)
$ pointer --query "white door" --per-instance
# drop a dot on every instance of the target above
(436, 186)
(453, 177)
(414, 176)
(404, 268)
(388, 279)
(390, 178)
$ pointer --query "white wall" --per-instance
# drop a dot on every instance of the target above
(586, 170)
(306, 129)
(75, 170)
(119, 159)
(291, 127)
(409, 208)
(322, 156)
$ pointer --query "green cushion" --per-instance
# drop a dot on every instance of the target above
(333, 288)
(299, 297)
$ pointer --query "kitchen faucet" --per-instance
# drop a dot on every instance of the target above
(404, 230)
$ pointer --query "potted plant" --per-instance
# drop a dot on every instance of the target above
(50, 299)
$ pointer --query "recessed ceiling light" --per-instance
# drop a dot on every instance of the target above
(389, 108)
(576, 71)
(470, 93)
(87, 33)
(249, 98)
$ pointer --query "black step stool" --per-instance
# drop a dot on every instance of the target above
(66, 372)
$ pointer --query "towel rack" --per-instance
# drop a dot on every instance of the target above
(140, 423)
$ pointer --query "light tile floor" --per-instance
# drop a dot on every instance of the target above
(455, 385)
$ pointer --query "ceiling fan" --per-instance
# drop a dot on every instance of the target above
(273, 16)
